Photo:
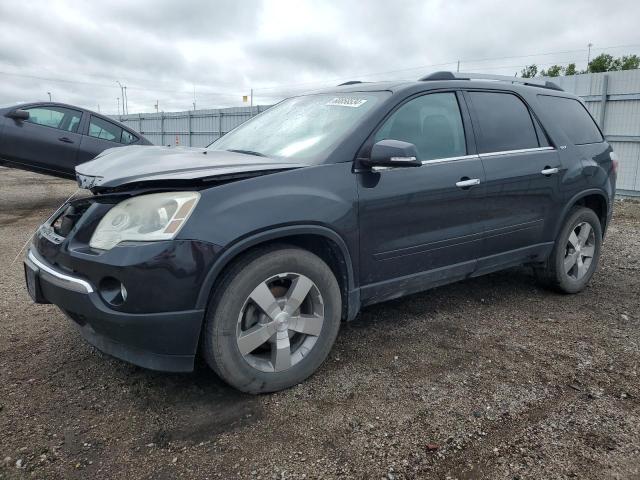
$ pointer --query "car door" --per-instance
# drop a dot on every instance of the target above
(522, 178)
(102, 134)
(48, 139)
(420, 226)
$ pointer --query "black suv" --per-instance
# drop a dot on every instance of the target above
(253, 250)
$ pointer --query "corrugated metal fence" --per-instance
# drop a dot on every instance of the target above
(194, 128)
(613, 99)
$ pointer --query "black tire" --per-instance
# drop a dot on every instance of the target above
(220, 345)
(552, 274)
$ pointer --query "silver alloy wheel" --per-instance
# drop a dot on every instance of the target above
(280, 322)
(579, 252)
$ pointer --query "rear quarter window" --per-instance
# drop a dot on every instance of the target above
(573, 118)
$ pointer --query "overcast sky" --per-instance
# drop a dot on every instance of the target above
(162, 50)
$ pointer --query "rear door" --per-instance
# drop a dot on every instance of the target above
(102, 134)
(522, 178)
(49, 139)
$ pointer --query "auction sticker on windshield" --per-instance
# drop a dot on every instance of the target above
(346, 102)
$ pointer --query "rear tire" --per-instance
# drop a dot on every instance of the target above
(273, 319)
(575, 255)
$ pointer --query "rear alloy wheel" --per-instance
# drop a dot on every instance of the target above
(274, 321)
(579, 251)
(575, 255)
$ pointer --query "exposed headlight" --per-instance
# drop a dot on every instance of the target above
(157, 216)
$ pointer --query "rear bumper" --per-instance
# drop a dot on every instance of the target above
(164, 341)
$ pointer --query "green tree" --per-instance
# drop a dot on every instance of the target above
(529, 71)
(603, 63)
(629, 62)
(570, 69)
(552, 71)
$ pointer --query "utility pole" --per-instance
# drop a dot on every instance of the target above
(251, 102)
(156, 105)
(98, 108)
(118, 100)
(458, 66)
(126, 100)
(589, 56)
(49, 93)
(122, 96)
(194, 97)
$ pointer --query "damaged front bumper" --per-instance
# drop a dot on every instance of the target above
(160, 341)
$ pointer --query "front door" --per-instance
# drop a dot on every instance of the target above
(421, 226)
(48, 139)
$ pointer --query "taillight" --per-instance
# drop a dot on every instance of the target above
(614, 162)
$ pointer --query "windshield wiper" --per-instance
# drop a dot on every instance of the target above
(247, 152)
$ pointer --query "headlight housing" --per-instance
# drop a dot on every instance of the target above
(146, 218)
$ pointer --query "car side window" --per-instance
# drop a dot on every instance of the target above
(55, 117)
(432, 122)
(100, 128)
(573, 118)
(128, 137)
(505, 122)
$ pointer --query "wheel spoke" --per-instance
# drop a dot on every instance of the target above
(570, 261)
(573, 240)
(254, 337)
(583, 236)
(582, 269)
(281, 352)
(298, 291)
(265, 300)
(307, 324)
(588, 251)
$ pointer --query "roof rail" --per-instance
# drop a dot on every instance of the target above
(350, 82)
(484, 76)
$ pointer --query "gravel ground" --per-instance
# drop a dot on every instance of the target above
(489, 378)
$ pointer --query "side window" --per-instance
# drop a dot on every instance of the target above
(573, 118)
(432, 122)
(100, 128)
(504, 122)
(128, 137)
(55, 117)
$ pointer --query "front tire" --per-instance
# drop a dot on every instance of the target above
(575, 255)
(273, 320)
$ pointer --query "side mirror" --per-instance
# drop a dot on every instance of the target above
(18, 114)
(393, 153)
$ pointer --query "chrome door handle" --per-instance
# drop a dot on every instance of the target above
(468, 183)
(549, 171)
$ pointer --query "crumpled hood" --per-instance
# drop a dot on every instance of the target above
(141, 164)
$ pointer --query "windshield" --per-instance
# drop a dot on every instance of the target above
(300, 128)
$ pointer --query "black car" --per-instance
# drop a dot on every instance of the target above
(253, 250)
(53, 138)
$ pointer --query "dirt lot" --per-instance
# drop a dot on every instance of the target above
(489, 378)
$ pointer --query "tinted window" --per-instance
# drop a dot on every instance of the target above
(504, 122)
(55, 117)
(100, 128)
(128, 138)
(432, 123)
(573, 118)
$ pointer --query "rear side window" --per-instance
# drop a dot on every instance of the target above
(432, 123)
(573, 118)
(128, 137)
(100, 128)
(504, 122)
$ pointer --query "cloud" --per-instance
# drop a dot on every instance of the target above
(162, 50)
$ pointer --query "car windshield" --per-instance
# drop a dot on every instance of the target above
(300, 128)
